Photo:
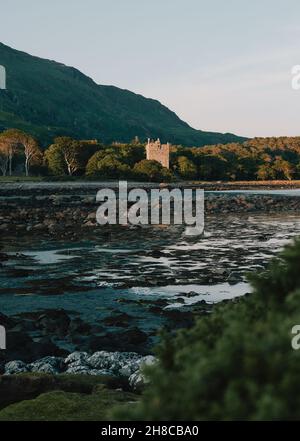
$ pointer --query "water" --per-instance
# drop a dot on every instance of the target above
(88, 277)
(149, 277)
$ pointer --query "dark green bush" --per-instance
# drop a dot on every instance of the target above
(236, 363)
(147, 170)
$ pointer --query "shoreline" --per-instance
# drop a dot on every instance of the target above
(8, 185)
(64, 211)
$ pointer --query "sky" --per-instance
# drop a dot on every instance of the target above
(220, 65)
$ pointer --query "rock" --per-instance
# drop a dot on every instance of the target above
(21, 346)
(6, 321)
(134, 364)
(119, 320)
(128, 369)
(125, 365)
(104, 372)
(101, 359)
(220, 271)
(45, 368)
(15, 367)
(155, 253)
(54, 322)
(84, 370)
(78, 326)
(147, 360)
(191, 294)
(89, 224)
(77, 357)
(134, 336)
(137, 381)
(234, 278)
(57, 362)
(132, 339)
(48, 365)
(114, 361)
(91, 216)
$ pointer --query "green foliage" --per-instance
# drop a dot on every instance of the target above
(104, 165)
(55, 161)
(257, 159)
(152, 171)
(236, 363)
(15, 145)
(36, 396)
(67, 406)
(69, 156)
(130, 154)
(186, 168)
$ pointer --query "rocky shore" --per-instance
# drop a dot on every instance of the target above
(127, 366)
(61, 209)
(82, 300)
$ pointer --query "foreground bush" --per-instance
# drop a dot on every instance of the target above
(236, 363)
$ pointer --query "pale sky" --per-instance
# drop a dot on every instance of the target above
(220, 65)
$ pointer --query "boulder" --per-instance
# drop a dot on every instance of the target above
(15, 367)
(137, 381)
(234, 278)
(77, 357)
(45, 368)
(47, 365)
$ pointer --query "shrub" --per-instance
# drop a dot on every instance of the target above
(146, 170)
(186, 168)
(236, 363)
(107, 166)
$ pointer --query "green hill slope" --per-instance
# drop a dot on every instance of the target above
(47, 99)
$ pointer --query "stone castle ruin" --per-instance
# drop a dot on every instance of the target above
(155, 151)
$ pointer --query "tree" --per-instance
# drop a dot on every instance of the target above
(186, 168)
(283, 169)
(9, 145)
(31, 150)
(69, 149)
(265, 172)
(55, 160)
(212, 167)
(131, 154)
(67, 155)
(152, 171)
(18, 140)
(4, 157)
(107, 166)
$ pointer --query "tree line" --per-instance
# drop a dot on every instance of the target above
(255, 159)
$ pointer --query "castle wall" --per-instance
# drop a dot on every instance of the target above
(158, 152)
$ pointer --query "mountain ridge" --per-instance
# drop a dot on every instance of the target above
(48, 98)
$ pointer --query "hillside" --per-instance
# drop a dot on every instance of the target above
(47, 99)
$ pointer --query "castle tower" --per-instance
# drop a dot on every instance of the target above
(155, 151)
